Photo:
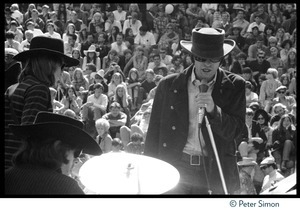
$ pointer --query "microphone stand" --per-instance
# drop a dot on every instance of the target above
(216, 154)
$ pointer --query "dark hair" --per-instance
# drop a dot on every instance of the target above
(9, 35)
(136, 137)
(241, 55)
(248, 85)
(175, 57)
(41, 67)
(98, 85)
(91, 66)
(246, 70)
(127, 32)
(117, 142)
(59, 12)
(120, 34)
(74, 36)
(143, 28)
(256, 145)
(115, 104)
(156, 55)
(133, 70)
(67, 91)
(42, 151)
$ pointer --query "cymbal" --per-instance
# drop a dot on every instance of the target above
(125, 173)
(285, 186)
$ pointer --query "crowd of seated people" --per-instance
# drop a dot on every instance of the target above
(126, 49)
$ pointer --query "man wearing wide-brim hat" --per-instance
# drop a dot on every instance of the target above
(42, 66)
(45, 161)
(174, 135)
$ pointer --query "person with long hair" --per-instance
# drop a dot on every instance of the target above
(27, 14)
(284, 143)
(129, 38)
(42, 66)
(82, 33)
(112, 37)
(92, 56)
(63, 14)
(72, 101)
(285, 80)
(281, 35)
(133, 86)
(79, 80)
(123, 98)
(115, 81)
(70, 29)
(111, 57)
(291, 60)
(97, 19)
(274, 22)
(77, 55)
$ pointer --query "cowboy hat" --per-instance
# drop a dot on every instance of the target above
(247, 162)
(64, 128)
(41, 45)
(92, 48)
(208, 43)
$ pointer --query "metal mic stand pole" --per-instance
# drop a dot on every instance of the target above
(216, 154)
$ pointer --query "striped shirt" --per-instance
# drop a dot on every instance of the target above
(30, 97)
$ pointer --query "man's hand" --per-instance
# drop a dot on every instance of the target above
(205, 100)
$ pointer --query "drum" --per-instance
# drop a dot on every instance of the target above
(125, 173)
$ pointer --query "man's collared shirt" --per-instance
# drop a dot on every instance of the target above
(193, 144)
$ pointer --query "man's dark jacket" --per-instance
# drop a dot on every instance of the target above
(168, 128)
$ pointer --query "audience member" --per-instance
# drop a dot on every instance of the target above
(91, 56)
(272, 176)
(35, 82)
(103, 138)
(116, 119)
(36, 163)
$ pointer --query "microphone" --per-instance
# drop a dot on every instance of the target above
(203, 87)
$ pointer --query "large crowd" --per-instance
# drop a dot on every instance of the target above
(124, 50)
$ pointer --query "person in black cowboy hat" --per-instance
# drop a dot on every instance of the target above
(174, 135)
(44, 162)
(42, 66)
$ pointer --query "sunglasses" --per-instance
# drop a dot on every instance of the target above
(264, 167)
(249, 114)
(212, 60)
